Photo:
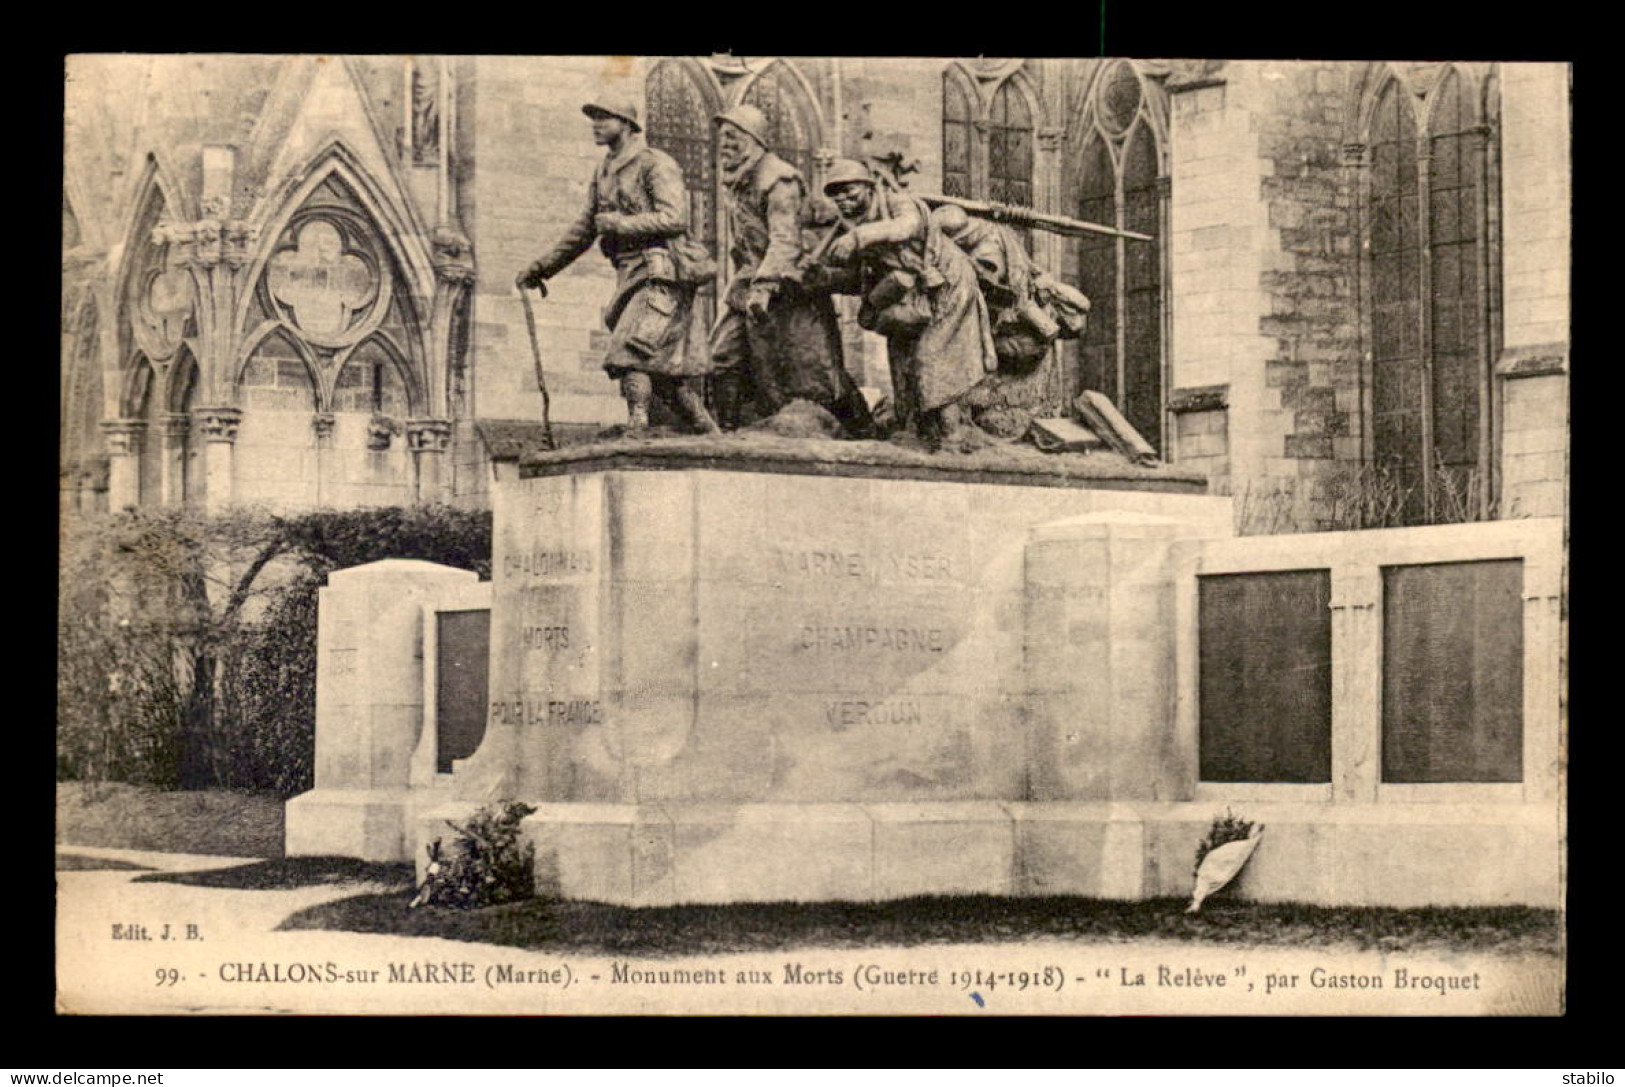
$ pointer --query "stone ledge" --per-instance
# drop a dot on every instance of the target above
(1199, 398)
(1006, 465)
(372, 824)
(1541, 359)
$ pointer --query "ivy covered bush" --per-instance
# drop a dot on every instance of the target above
(186, 643)
(484, 865)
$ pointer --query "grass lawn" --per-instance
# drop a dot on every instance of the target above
(216, 822)
(597, 928)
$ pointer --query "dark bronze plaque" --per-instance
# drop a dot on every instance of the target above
(1266, 677)
(462, 663)
(1452, 673)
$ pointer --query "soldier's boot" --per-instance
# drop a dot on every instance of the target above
(638, 389)
(937, 428)
(689, 399)
(725, 394)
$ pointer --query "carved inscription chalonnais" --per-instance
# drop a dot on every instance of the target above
(554, 712)
(544, 563)
(849, 639)
(863, 566)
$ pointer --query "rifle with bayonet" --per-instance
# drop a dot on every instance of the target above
(891, 168)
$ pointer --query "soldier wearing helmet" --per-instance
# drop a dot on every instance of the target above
(637, 211)
(920, 291)
(776, 341)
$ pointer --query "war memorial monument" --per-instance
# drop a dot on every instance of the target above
(776, 638)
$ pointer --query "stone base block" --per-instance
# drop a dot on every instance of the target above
(1096, 850)
(944, 848)
(668, 853)
(1384, 854)
(367, 823)
(1402, 855)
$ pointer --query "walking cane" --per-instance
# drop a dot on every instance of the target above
(536, 354)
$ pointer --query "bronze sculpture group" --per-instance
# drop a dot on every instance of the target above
(956, 296)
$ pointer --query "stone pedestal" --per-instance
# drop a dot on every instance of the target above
(369, 710)
(721, 683)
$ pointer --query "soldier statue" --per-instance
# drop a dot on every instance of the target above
(919, 290)
(637, 210)
(776, 341)
(1029, 308)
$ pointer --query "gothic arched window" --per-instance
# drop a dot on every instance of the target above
(1010, 151)
(958, 134)
(81, 385)
(682, 104)
(792, 123)
(1118, 184)
(330, 285)
(371, 381)
(1433, 308)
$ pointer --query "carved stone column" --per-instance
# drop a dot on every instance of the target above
(322, 424)
(823, 159)
(1048, 249)
(1356, 179)
(177, 432)
(219, 427)
(124, 461)
(454, 273)
(214, 251)
(428, 440)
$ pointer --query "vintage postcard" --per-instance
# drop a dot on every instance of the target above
(813, 535)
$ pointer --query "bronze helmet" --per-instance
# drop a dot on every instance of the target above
(611, 105)
(845, 171)
(747, 118)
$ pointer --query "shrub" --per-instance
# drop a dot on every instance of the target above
(186, 644)
(484, 865)
(1226, 828)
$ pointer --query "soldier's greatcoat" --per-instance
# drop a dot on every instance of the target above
(649, 315)
(794, 352)
(954, 350)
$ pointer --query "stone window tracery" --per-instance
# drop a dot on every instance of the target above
(1432, 313)
(1118, 182)
(330, 301)
(989, 154)
(792, 124)
(958, 134)
(681, 104)
(1010, 151)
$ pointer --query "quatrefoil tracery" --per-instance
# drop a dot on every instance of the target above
(331, 290)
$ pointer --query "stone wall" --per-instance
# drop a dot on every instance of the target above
(1533, 369)
(1310, 413)
(1217, 229)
